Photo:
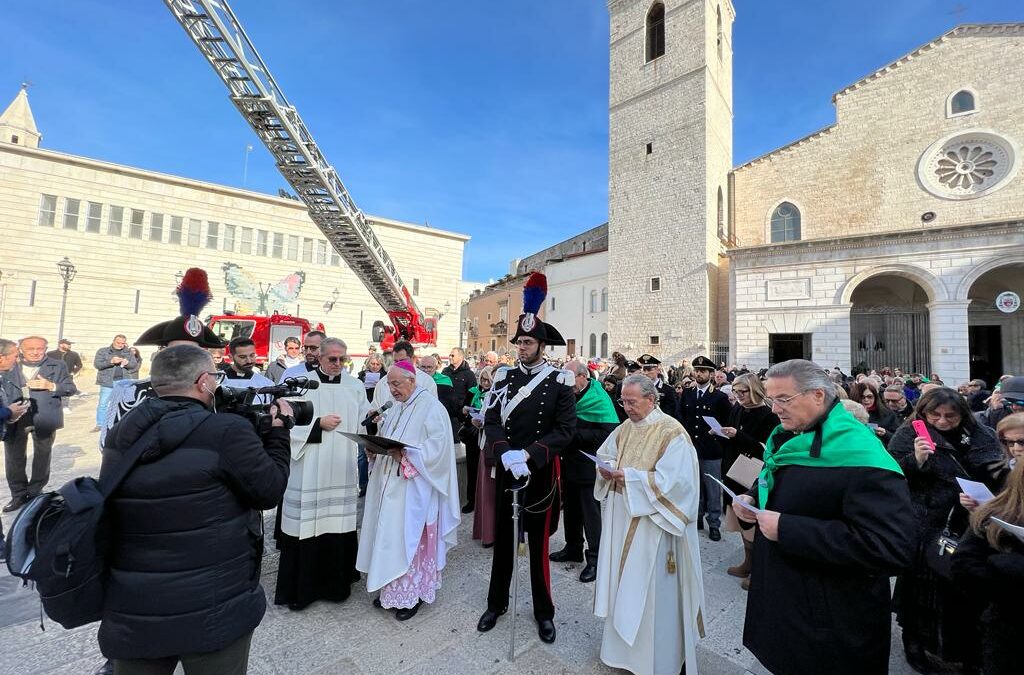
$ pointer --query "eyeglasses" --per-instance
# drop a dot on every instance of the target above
(333, 359)
(218, 375)
(526, 343)
(736, 390)
(1011, 442)
(782, 402)
(952, 417)
(629, 403)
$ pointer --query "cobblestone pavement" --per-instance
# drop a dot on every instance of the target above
(352, 637)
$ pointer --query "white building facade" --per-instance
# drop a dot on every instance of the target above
(577, 304)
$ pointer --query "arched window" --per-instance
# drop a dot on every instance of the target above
(604, 299)
(718, 13)
(722, 234)
(961, 102)
(655, 32)
(593, 345)
(785, 223)
(604, 345)
(593, 301)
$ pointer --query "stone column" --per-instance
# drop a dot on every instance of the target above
(950, 343)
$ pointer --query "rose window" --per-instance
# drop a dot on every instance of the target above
(967, 165)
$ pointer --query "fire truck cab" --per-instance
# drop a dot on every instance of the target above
(268, 332)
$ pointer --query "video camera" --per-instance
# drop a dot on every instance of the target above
(243, 401)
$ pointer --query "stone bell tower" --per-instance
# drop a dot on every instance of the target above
(670, 153)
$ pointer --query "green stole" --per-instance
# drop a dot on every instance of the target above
(596, 406)
(442, 379)
(478, 396)
(837, 440)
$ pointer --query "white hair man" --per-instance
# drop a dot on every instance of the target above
(319, 510)
(836, 521)
(412, 506)
(649, 587)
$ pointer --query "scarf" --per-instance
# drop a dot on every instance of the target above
(442, 380)
(478, 397)
(845, 441)
(596, 406)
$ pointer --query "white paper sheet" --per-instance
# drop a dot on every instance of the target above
(597, 460)
(735, 500)
(979, 492)
(716, 428)
(1015, 530)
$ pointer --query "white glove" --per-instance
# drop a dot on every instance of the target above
(519, 470)
(513, 457)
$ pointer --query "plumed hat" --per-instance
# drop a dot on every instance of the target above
(529, 324)
(193, 294)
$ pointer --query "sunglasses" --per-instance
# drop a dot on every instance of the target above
(333, 359)
(1011, 442)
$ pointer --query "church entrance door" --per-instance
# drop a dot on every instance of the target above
(889, 326)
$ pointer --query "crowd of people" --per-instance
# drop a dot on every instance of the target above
(834, 484)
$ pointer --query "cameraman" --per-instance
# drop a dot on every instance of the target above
(187, 534)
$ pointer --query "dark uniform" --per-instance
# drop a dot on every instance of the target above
(667, 399)
(693, 407)
(542, 425)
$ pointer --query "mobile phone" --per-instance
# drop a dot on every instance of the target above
(922, 432)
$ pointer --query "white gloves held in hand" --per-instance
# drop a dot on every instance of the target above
(515, 461)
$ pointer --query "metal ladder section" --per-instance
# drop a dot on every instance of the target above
(216, 31)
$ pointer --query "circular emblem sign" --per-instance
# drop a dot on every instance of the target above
(528, 322)
(1008, 302)
(193, 326)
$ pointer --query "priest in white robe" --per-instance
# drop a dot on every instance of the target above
(319, 510)
(412, 508)
(649, 587)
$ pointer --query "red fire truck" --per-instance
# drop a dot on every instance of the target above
(268, 332)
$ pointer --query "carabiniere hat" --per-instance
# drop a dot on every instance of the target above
(648, 360)
(529, 324)
(703, 362)
(193, 294)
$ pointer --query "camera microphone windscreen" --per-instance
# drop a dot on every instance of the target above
(302, 382)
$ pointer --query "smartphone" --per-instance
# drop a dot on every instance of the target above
(922, 432)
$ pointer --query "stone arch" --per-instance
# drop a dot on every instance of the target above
(964, 288)
(931, 284)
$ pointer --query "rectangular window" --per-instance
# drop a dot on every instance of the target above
(503, 313)
(193, 232)
(71, 208)
(246, 241)
(156, 227)
(488, 316)
(261, 242)
(229, 237)
(655, 340)
(293, 247)
(174, 236)
(655, 284)
(93, 217)
(212, 234)
(278, 251)
(415, 286)
(321, 252)
(335, 258)
(649, 148)
(115, 221)
(47, 210)
(307, 250)
(135, 224)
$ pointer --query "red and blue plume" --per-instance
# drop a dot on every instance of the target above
(193, 292)
(534, 292)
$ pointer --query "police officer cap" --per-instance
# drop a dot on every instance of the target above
(632, 366)
(703, 362)
(648, 360)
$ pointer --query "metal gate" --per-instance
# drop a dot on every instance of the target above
(894, 337)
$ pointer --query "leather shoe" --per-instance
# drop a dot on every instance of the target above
(566, 555)
(106, 669)
(714, 534)
(16, 503)
(488, 619)
(406, 614)
(468, 508)
(589, 573)
(546, 630)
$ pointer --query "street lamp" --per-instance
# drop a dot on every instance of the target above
(67, 273)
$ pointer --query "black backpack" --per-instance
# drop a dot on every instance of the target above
(60, 541)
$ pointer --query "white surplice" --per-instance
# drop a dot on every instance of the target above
(323, 486)
(382, 393)
(397, 509)
(649, 588)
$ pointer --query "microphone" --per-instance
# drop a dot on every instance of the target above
(369, 418)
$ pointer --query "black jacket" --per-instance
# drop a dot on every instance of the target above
(463, 380)
(187, 533)
(667, 399)
(71, 360)
(588, 437)
(886, 419)
(49, 414)
(691, 411)
(819, 596)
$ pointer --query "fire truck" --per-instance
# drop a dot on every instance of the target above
(268, 332)
(217, 33)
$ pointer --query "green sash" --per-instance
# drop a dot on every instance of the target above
(596, 406)
(837, 440)
(478, 396)
(442, 379)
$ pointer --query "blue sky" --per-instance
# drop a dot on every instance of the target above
(484, 118)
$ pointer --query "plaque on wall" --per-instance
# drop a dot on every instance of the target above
(789, 289)
(1008, 302)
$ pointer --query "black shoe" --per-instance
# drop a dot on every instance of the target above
(406, 614)
(566, 555)
(491, 545)
(362, 492)
(714, 534)
(298, 606)
(700, 523)
(468, 508)
(546, 630)
(106, 669)
(488, 619)
(916, 656)
(16, 503)
(589, 573)
(376, 603)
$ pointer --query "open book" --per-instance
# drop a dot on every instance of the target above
(378, 445)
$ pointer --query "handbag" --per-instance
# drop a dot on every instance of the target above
(745, 470)
(938, 553)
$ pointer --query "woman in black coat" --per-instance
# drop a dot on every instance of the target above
(882, 420)
(747, 430)
(935, 615)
